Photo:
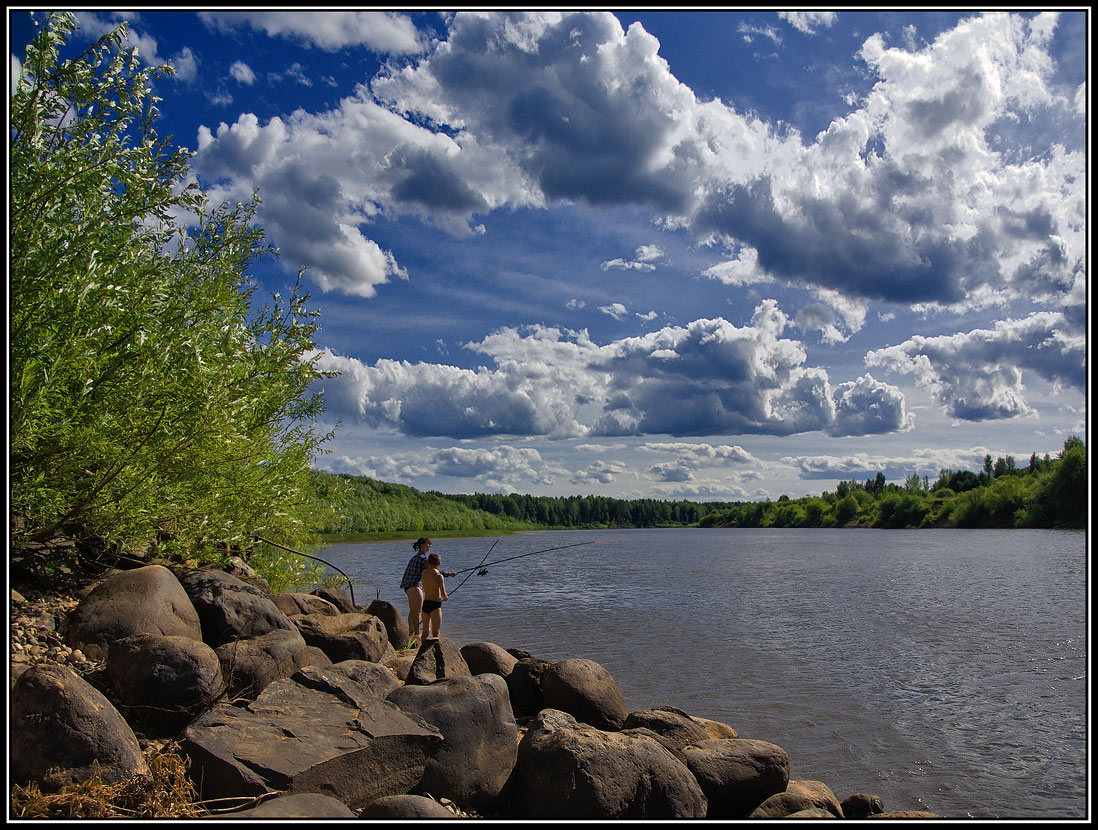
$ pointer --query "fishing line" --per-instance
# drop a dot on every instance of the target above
(521, 555)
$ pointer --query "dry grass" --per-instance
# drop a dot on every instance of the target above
(166, 792)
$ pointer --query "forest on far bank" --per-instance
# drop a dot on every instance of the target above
(1048, 492)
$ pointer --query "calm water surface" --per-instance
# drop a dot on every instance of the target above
(940, 669)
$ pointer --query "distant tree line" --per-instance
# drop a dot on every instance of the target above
(1049, 492)
(590, 511)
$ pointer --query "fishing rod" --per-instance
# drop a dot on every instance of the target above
(481, 565)
(521, 555)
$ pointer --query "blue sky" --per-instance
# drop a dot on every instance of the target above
(704, 255)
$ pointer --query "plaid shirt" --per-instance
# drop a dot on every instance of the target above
(414, 571)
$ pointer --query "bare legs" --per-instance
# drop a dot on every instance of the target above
(415, 604)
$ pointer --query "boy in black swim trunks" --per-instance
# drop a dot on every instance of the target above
(434, 594)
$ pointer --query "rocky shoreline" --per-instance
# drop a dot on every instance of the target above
(306, 706)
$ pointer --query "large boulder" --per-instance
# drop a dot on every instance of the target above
(295, 604)
(571, 770)
(374, 679)
(303, 805)
(585, 690)
(799, 797)
(480, 736)
(345, 636)
(337, 597)
(396, 624)
(437, 660)
(231, 609)
(163, 681)
(147, 600)
(737, 775)
(862, 805)
(714, 728)
(524, 685)
(348, 681)
(406, 807)
(251, 664)
(675, 728)
(316, 732)
(62, 729)
(488, 658)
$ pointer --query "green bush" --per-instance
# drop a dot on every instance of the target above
(150, 397)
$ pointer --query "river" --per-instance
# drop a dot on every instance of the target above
(943, 670)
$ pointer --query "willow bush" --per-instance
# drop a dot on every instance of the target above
(152, 395)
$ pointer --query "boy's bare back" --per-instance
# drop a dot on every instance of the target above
(434, 587)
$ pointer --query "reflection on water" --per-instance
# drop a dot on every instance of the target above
(943, 670)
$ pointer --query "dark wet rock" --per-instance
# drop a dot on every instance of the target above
(861, 805)
(524, 685)
(396, 626)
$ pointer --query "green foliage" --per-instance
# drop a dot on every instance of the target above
(897, 510)
(1061, 495)
(368, 506)
(150, 399)
(846, 509)
(1047, 493)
